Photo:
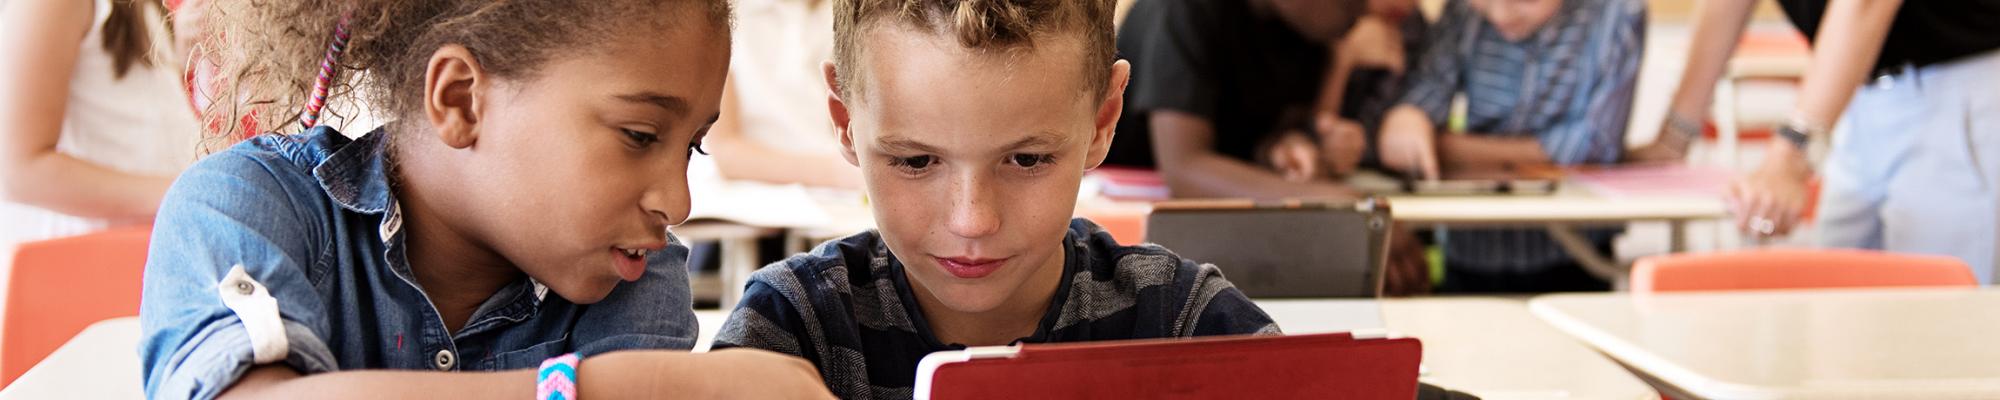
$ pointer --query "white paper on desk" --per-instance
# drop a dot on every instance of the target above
(1296, 316)
(755, 204)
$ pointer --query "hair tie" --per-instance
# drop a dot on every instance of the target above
(325, 81)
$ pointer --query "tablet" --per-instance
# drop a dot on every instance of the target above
(1515, 180)
(1284, 248)
(1365, 365)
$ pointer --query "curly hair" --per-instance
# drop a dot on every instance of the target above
(980, 25)
(269, 51)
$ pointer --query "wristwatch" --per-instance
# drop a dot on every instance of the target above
(1798, 133)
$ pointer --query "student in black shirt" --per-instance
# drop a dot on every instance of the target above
(1213, 80)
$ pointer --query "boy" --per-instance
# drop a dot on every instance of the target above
(973, 123)
(1545, 82)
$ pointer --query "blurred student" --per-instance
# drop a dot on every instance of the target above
(1915, 88)
(97, 123)
(1217, 84)
(1363, 80)
(1545, 82)
(774, 126)
(1266, 98)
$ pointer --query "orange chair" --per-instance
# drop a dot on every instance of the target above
(1796, 268)
(61, 286)
(1126, 222)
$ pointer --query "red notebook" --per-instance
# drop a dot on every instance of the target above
(1317, 366)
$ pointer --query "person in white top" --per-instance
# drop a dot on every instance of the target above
(774, 125)
(93, 121)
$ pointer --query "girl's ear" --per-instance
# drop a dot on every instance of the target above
(838, 109)
(454, 86)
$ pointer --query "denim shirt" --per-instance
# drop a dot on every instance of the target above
(313, 221)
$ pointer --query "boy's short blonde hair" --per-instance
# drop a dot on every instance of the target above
(980, 25)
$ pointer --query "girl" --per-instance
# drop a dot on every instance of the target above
(96, 123)
(510, 219)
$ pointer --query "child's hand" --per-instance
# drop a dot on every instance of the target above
(1655, 153)
(1342, 141)
(1408, 143)
(722, 374)
(1668, 146)
(1295, 157)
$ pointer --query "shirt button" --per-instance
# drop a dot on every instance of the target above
(244, 288)
(444, 360)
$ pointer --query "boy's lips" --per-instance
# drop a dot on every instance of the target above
(970, 268)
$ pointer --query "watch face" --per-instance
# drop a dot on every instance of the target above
(1794, 135)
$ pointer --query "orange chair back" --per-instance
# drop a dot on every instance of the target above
(1125, 222)
(61, 286)
(1796, 269)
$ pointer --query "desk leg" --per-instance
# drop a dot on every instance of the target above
(739, 259)
(1677, 236)
(1596, 263)
(1725, 120)
(796, 242)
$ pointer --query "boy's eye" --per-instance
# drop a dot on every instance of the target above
(640, 139)
(914, 163)
(1031, 160)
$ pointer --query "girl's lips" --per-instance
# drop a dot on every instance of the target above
(970, 268)
(629, 268)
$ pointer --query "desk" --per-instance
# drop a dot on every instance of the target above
(1486, 346)
(739, 250)
(1562, 214)
(1489, 347)
(711, 322)
(1870, 343)
(102, 362)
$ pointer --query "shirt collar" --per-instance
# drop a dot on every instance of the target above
(356, 175)
(1546, 35)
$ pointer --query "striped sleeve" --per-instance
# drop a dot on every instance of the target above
(1593, 123)
(1439, 71)
(764, 320)
(1216, 307)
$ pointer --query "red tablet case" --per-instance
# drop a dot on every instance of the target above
(1317, 366)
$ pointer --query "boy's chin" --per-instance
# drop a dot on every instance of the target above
(969, 299)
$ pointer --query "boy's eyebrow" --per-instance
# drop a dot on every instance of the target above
(673, 104)
(1041, 138)
(901, 145)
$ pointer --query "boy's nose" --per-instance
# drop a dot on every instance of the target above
(973, 212)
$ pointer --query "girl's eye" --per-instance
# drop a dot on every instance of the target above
(640, 139)
(1031, 160)
(913, 164)
(694, 148)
